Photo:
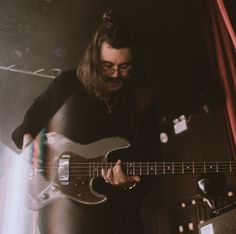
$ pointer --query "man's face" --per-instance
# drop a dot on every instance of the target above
(115, 65)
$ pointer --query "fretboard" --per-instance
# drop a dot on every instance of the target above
(165, 168)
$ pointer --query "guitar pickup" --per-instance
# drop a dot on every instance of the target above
(63, 169)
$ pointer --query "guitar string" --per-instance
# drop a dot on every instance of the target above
(137, 168)
(137, 174)
(138, 165)
(141, 164)
(159, 163)
(165, 170)
(98, 173)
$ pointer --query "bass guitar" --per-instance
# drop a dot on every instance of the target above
(70, 169)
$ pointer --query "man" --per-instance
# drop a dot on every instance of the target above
(104, 98)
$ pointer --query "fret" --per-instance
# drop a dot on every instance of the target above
(147, 168)
(140, 168)
(177, 168)
(182, 167)
(100, 169)
(229, 166)
(222, 167)
(155, 168)
(90, 170)
(164, 170)
(233, 166)
(200, 167)
(94, 169)
(193, 167)
(133, 168)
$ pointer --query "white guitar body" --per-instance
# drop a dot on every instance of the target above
(67, 170)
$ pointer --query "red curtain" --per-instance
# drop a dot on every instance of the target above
(221, 44)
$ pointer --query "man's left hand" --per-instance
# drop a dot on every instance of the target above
(116, 176)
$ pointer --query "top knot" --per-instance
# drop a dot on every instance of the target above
(111, 19)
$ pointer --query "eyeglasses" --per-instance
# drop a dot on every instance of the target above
(107, 68)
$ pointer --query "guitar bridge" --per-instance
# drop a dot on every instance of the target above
(63, 169)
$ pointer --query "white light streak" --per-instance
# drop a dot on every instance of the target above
(16, 218)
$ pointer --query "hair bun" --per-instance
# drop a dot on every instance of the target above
(111, 18)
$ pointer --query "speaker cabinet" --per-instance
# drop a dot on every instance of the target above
(224, 223)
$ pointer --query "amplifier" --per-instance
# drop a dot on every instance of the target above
(224, 223)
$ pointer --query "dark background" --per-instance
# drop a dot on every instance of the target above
(53, 34)
(49, 34)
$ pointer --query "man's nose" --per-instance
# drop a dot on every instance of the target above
(116, 73)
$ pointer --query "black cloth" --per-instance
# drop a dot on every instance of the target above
(83, 118)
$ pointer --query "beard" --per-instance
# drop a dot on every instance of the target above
(105, 87)
(110, 86)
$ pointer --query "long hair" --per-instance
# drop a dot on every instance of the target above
(117, 36)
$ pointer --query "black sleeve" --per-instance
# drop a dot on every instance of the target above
(45, 106)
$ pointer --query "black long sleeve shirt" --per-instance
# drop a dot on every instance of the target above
(83, 118)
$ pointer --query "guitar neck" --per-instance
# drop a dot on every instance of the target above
(165, 168)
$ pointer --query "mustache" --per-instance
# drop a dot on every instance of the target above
(110, 79)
